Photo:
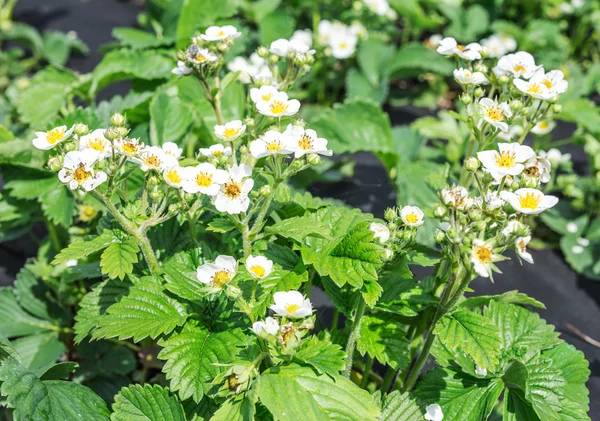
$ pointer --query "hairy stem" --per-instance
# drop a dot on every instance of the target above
(354, 335)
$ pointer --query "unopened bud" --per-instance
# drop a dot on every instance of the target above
(153, 180)
(480, 225)
(439, 236)
(515, 185)
(262, 51)
(465, 98)
(273, 58)
(112, 133)
(530, 182)
(553, 100)
(451, 233)
(112, 167)
(222, 47)
(472, 164)
(123, 131)
(390, 214)
(297, 164)
(392, 226)
(81, 129)
(516, 105)
(173, 207)
(478, 92)
(70, 146)
(156, 194)
(243, 149)
(480, 67)
(313, 159)
(484, 52)
(101, 164)
(525, 111)
(265, 190)
(503, 80)
(54, 164)
(557, 108)
(117, 119)
(188, 197)
(181, 55)
(440, 211)
(249, 121)
(475, 214)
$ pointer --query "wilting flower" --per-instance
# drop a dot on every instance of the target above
(97, 142)
(78, 170)
(483, 258)
(181, 69)
(175, 176)
(51, 138)
(448, 47)
(434, 413)
(513, 228)
(154, 158)
(233, 196)
(510, 160)
(269, 327)
(271, 143)
(306, 141)
(412, 216)
(538, 167)
(278, 106)
(203, 178)
(521, 65)
(259, 267)
(495, 113)
(130, 147)
(543, 127)
(521, 247)
(170, 148)
(457, 197)
(382, 232)
(216, 275)
(291, 304)
(264, 93)
(555, 157)
(220, 33)
(467, 77)
(230, 130)
(433, 41)
(216, 151)
(480, 371)
(498, 45)
(529, 201)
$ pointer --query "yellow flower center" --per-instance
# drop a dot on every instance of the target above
(152, 161)
(305, 143)
(530, 201)
(532, 171)
(522, 246)
(97, 144)
(548, 83)
(229, 132)
(81, 174)
(220, 278)
(217, 153)
(130, 147)
(266, 97)
(505, 159)
(204, 179)
(173, 176)
(468, 75)
(460, 48)
(534, 88)
(343, 45)
(278, 107)
(412, 218)
(87, 213)
(274, 146)
(220, 33)
(292, 308)
(233, 190)
(200, 58)
(543, 124)
(55, 135)
(519, 68)
(494, 113)
(483, 254)
(258, 270)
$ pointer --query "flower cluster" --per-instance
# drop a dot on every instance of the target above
(341, 39)
(400, 230)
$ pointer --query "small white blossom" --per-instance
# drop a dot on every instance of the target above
(448, 47)
(230, 130)
(283, 48)
(251, 70)
(468, 77)
(307, 141)
(216, 275)
(358, 29)
(483, 258)
(457, 197)
(343, 44)
(521, 247)
(304, 36)
(154, 158)
(204, 178)
(97, 142)
(78, 170)
(216, 151)
(201, 56)
(181, 69)
(259, 267)
(269, 327)
(264, 93)
(129, 147)
(520, 65)
(174, 176)
(445, 226)
(554, 81)
(498, 45)
(170, 148)
(434, 412)
(509, 160)
(529, 201)
(272, 143)
(572, 227)
(495, 113)
(543, 127)
(555, 157)
(534, 88)
(233, 195)
(538, 167)
(291, 304)
(379, 7)
(220, 33)
(278, 106)
(51, 138)
(412, 216)
(382, 232)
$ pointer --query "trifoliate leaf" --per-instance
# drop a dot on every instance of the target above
(400, 407)
(84, 247)
(509, 297)
(146, 403)
(323, 355)
(473, 334)
(462, 397)
(145, 311)
(14, 321)
(192, 354)
(294, 393)
(382, 337)
(118, 258)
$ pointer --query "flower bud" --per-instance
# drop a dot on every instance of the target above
(123, 131)
(390, 214)
(112, 133)
(81, 129)
(117, 120)
(530, 182)
(173, 207)
(265, 190)
(70, 146)
(392, 226)
(451, 233)
(300, 123)
(153, 180)
(480, 67)
(516, 105)
(188, 197)
(273, 58)
(480, 225)
(465, 98)
(388, 254)
(484, 52)
(439, 236)
(503, 80)
(553, 100)
(478, 92)
(222, 47)
(472, 164)
(181, 55)
(440, 211)
(249, 122)
(243, 150)
(313, 159)
(101, 164)
(262, 51)
(156, 194)
(297, 164)
(475, 214)
(525, 111)
(112, 167)
(357, 5)
(54, 164)
(515, 185)
(557, 108)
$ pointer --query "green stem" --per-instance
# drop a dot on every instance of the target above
(335, 318)
(53, 235)
(354, 335)
(367, 371)
(387, 379)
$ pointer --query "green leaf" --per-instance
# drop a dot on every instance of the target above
(414, 58)
(584, 262)
(170, 119)
(238, 408)
(140, 40)
(382, 338)
(544, 389)
(320, 353)
(294, 393)
(220, 225)
(197, 14)
(35, 296)
(146, 403)
(118, 258)
(182, 281)
(374, 56)
(14, 321)
(35, 399)
(473, 334)
(39, 104)
(583, 112)
(358, 86)
(146, 311)
(58, 46)
(509, 297)
(468, 24)
(32, 188)
(462, 398)
(300, 227)
(517, 408)
(276, 25)
(58, 205)
(192, 354)
(84, 247)
(39, 350)
(400, 407)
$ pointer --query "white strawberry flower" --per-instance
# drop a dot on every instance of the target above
(492, 201)
(170, 148)
(270, 327)
(129, 147)
(306, 141)
(230, 130)
(259, 267)
(379, 7)
(529, 201)
(483, 258)
(543, 127)
(555, 157)
(283, 48)
(216, 151)
(538, 167)
(480, 371)
(264, 93)
(434, 412)
(498, 45)
(175, 176)
(254, 69)
(358, 29)
(554, 81)
(201, 56)
(233, 195)
(154, 158)
(434, 41)
(220, 33)
(181, 69)
(510, 159)
(343, 44)
(97, 142)
(204, 178)
(448, 47)
(304, 36)
(291, 304)
(521, 247)
(457, 197)
(468, 77)
(534, 88)
(326, 29)
(412, 216)
(519, 65)
(216, 275)
(51, 138)
(278, 106)
(78, 170)
(495, 113)
(382, 232)
(513, 227)
(271, 143)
